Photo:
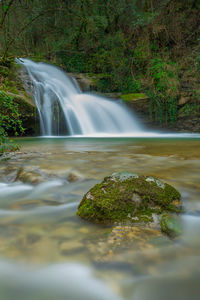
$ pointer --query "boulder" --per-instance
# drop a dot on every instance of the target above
(138, 101)
(128, 197)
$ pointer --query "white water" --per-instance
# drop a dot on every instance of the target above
(58, 281)
(64, 110)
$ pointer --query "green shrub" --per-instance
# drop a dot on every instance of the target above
(10, 122)
(189, 109)
(163, 90)
(9, 116)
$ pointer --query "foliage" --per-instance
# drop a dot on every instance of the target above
(190, 109)
(198, 63)
(133, 44)
(164, 90)
(10, 122)
(7, 145)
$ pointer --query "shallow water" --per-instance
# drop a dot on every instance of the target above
(48, 252)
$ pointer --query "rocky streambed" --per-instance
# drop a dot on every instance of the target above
(43, 185)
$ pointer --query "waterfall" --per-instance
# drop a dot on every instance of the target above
(65, 110)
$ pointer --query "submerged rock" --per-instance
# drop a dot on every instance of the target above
(128, 197)
(122, 243)
(14, 172)
(30, 175)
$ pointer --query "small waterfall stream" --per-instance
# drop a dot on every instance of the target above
(64, 110)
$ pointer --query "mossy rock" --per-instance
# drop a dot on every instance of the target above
(133, 97)
(170, 225)
(128, 197)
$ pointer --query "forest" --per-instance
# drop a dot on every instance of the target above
(130, 47)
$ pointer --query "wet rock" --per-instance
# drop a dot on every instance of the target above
(30, 175)
(170, 225)
(72, 177)
(11, 174)
(122, 243)
(85, 81)
(33, 238)
(139, 103)
(71, 246)
(35, 174)
(128, 197)
(84, 230)
(62, 233)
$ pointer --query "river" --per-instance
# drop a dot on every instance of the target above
(47, 252)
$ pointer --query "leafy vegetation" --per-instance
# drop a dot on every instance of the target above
(10, 122)
(189, 109)
(131, 46)
(164, 90)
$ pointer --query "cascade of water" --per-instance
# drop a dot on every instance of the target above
(64, 110)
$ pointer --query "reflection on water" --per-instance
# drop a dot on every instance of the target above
(48, 252)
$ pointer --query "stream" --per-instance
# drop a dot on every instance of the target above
(47, 252)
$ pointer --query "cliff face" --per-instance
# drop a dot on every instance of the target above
(188, 112)
(28, 115)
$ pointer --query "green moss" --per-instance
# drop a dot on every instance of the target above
(170, 226)
(127, 197)
(133, 97)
